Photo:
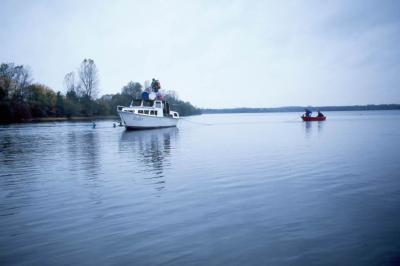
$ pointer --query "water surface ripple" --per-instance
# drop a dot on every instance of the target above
(243, 189)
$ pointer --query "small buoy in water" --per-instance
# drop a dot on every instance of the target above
(114, 125)
(93, 124)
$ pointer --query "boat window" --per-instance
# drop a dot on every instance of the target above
(158, 105)
(146, 112)
(152, 112)
(155, 112)
(175, 115)
(140, 111)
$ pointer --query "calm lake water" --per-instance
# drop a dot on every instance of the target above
(237, 189)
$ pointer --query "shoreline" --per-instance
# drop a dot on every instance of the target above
(61, 119)
(116, 118)
(72, 118)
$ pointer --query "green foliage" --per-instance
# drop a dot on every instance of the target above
(183, 108)
(13, 84)
(132, 89)
(41, 101)
(60, 103)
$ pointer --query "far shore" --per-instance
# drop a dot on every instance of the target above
(382, 107)
(370, 107)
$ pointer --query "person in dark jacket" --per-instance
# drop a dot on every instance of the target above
(155, 85)
(307, 113)
(320, 114)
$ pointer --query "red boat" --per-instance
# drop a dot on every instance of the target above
(313, 118)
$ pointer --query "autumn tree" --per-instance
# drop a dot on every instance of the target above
(14, 80)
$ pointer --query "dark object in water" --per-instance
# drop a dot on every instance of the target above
(313, 118)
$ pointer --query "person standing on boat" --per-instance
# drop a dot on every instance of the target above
(320, 114)
(155, 85)
(307, 112)
(158, 86)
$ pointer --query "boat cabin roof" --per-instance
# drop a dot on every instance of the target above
(145, 103)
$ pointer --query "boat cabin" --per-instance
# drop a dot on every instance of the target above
(156, 108)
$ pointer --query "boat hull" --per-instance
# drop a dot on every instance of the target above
(315, 118)
(136, 122)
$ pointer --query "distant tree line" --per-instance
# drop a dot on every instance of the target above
(183, 108)
(369, 107)
(23, 100)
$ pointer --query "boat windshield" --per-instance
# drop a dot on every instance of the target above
(148, 103)
(136, 102)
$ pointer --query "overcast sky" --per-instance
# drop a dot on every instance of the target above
(216, 53)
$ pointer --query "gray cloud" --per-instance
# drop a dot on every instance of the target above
(225, 54)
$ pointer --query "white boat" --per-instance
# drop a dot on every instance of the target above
(148, 114)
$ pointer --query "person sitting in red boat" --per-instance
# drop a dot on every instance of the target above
(307, 113)
(307, 116)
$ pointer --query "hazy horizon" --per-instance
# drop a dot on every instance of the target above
(216, 55)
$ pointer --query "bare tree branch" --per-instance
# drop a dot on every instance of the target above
(69, 82)
(88, 78)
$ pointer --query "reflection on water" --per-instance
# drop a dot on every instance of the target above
(90, 147)
(312, 126)
(151, 149)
